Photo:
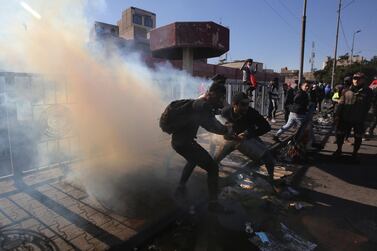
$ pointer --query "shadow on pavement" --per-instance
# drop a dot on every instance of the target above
(362, 174)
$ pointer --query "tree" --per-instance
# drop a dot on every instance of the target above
(369, 68)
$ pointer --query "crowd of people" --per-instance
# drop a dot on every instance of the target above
(355, 108)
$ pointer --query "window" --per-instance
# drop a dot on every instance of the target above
(137, 19)
(148, 21)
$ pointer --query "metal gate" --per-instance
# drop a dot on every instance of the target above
(36, 129)
(260, 95)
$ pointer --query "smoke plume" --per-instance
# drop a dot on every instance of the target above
(115, 100)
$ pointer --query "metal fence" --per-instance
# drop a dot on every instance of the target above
(35, 124)
(260, 95)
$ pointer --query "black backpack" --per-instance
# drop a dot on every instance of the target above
(176, 115)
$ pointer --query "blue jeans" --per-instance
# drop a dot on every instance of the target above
(293, 119)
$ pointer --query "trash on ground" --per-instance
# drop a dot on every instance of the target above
(153, 248)
(289, 193)
(296, 242)
(289, 241)
(244, 181)
(300, 205)
(293, 191)
(230, 192)
(248, 228)
(279, 172)
(262, 236)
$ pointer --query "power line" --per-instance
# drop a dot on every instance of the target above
(277, 13)
(344, 35)
(345, 6)
(289, 10)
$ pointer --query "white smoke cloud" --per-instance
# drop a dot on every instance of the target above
(117, 98)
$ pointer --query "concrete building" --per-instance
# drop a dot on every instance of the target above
(344, 60)
(135, 24)
(289, 76)
(132, 32)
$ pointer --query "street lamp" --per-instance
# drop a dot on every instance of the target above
(353, 42)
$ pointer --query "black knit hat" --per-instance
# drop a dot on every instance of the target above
(239, 97)
(217, 88)
(219, 78)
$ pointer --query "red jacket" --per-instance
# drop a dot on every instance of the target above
(373, 84)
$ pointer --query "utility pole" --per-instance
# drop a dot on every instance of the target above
(336, 46)
(353, 42)
(303, 27)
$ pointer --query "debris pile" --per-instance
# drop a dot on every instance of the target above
(288, 240)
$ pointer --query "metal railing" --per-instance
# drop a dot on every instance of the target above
(260, 95)
(35, 125)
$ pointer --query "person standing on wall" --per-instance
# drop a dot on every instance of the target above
(248, 76)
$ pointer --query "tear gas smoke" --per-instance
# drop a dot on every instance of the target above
(116, 100)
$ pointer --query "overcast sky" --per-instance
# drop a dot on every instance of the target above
(268, 31)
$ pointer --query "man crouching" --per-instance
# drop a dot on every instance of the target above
(248, 125)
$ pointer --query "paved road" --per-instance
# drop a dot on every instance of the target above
(345, 194)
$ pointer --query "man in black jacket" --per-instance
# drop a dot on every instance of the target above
(289, 96)
(247, 125)
(297, 110)
(183, 140)
(351, 113)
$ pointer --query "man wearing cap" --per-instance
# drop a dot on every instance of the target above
(184, 143)
(248, 125)
(351, 113)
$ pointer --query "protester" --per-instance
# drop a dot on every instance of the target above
(297, 110)
(291, 92)
(285, 89)
(327, 91)
(248, 76)
(351, 113)
(372, 114)
(248, 125)
(346, 85)
(320, 97)
(201, 113)
(347, 82)
(337, 94)
(313, 96)
(374, 83)
(273, 98)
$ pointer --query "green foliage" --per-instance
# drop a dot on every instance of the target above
(369, 68)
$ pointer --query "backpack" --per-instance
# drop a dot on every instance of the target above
(176, 115)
